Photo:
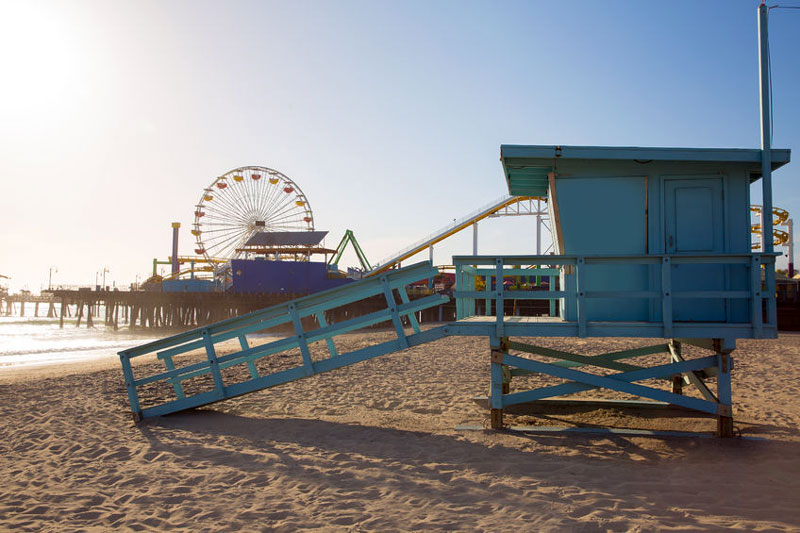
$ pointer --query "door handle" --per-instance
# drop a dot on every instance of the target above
(670, 241)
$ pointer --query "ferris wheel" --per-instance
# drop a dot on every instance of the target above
(242, 202)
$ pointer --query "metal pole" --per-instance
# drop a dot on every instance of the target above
(175, 266)
(790, 246)
(539, 227)
(766, 162)
(475, 238)
(766, 141)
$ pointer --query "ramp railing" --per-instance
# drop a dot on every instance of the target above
(196, 372)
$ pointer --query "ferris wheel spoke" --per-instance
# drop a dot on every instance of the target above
(274, 199)
(220, 238)
(226, 212)
(230, 201)
(276, 191)
(233, 199)
(223, 246)
(234, 194)
(223, 209)
(290, 211)
(278, 212)
(251, 187)
(288, 219)
(221, 228)
(223, 206)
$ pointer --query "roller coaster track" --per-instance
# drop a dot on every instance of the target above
(498, 205)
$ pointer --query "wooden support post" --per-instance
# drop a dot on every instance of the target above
(499, 302)
(328, 340)
(677, 384)
(411, 318)
(36, 310)
(176, 383)
(22, 308)
(89, 321)
(61, 318)
(580, 274)
(677, 380)
(496, 392)
(211, 353)
(390, 302)
(251, 364)
(666, 296)
(725, 416)
(308, 364)
(133, 396)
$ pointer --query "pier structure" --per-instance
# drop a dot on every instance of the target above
(15, 305)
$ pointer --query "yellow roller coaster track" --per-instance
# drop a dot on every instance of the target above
(780, 216)
(449, 231)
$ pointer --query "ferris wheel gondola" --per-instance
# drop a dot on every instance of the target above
(239, 203)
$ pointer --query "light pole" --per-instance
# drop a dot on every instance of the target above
(105, 271)
(50, 278)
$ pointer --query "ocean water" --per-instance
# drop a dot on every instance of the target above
(28, 341)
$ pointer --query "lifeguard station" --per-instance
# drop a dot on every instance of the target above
(650, 243)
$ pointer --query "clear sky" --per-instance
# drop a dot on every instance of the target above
(115, 115)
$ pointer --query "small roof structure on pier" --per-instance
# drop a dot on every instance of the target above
(286, 238)
(286, 242)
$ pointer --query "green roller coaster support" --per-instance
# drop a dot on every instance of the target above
(350, 238)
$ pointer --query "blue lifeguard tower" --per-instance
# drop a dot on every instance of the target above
(650, 243)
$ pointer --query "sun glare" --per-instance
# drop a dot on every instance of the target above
(41, 60)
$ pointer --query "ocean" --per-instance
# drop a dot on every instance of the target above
(27, 341)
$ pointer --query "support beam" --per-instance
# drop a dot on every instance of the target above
(692, 377)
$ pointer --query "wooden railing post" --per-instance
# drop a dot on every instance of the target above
(666, 296)
(755, 294)
(580, 274)
(499, 301)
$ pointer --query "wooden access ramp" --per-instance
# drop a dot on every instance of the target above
(187, 370)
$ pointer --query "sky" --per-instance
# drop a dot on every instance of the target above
(114, 116)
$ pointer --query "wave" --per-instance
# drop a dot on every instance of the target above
(58, 349)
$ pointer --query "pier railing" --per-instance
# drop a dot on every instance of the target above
(758, 289)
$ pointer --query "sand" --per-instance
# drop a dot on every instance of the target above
(373, 447)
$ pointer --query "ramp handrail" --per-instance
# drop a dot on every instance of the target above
(286, 313)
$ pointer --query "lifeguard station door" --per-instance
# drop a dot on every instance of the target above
(694, 223)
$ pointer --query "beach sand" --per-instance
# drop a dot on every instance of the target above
(373, 447)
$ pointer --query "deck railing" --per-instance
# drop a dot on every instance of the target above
(471, 268)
